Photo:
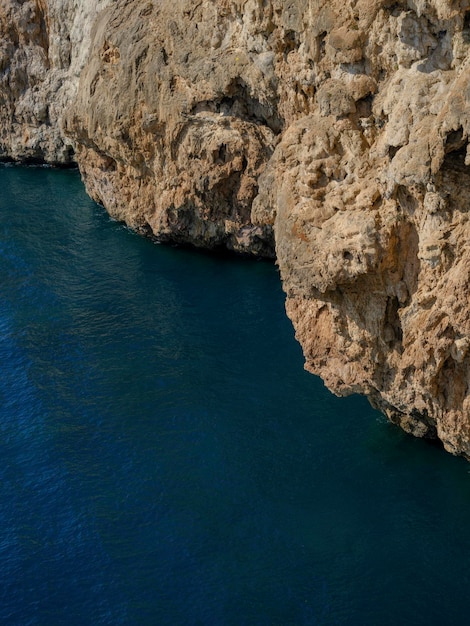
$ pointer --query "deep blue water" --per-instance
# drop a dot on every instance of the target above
(165, 460)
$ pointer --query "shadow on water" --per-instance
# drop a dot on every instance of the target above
(166, 460)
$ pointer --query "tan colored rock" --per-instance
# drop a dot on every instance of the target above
(341, 127)
(175, 121)
(371, 234)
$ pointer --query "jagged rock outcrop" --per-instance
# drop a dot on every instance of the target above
(337, 129)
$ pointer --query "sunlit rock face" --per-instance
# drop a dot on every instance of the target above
(176, 118)
(332, 135)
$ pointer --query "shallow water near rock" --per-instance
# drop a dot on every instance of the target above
(166, 460)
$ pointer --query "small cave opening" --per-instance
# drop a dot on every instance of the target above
(394, 332)
(69, 155)
(454, 141)
(221, 156)
(321, 44)
(455, 148)
(457, 157)
(239, 102)
(466, 27)
(364, 106)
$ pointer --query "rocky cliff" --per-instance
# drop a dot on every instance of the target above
(43, 47)
(331, 134)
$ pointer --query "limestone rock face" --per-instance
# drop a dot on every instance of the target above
(175, 120)
(337, 130)
(43, 46)
(370, 206)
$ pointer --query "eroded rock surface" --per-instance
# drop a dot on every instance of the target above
(338, 129)
(43, 47)
(175, 121)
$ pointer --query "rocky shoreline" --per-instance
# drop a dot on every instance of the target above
(331, 136)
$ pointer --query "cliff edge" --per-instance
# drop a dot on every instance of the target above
(332, 135)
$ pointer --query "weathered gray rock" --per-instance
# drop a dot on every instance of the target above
(43, 47)
(339, 128)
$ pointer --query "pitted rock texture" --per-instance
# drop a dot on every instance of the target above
(175, 121)
(43, 46)
(338, 128)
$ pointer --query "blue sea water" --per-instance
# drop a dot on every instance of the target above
(166, 461)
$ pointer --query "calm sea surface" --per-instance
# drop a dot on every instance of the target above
(166, 461)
